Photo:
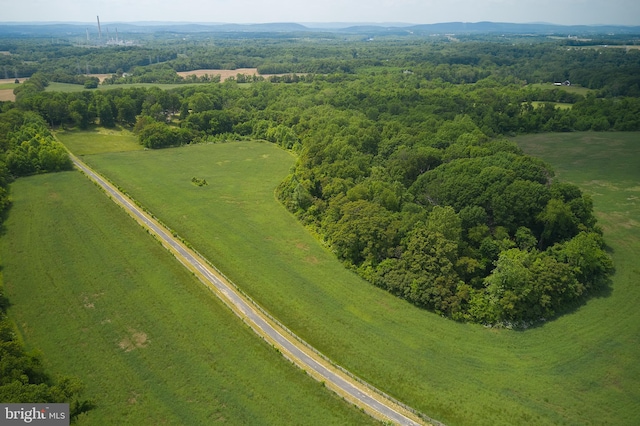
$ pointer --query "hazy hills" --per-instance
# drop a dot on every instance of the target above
(31, 29)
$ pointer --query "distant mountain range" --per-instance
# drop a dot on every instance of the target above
(70, 28)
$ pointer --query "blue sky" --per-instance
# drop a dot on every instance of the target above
(568, 12)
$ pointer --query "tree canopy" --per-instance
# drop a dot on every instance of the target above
(404, 166)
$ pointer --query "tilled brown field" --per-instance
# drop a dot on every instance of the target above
(224, 74)
(7, 95)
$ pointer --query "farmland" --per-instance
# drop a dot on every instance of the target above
(560, 372)
(6, 89)
(100, 140)
(103, 301)
(374, 200)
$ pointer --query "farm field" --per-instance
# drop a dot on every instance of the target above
(99, 140)
(103, 301)
(7, 95)
(68, 87)
(224, 74)
(9, 83)
(6, 88)
(571, 89)
(581, 368)
(559, 105)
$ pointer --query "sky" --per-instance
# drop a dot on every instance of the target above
(564, 12)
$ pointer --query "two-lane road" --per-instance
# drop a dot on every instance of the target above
(292, 347)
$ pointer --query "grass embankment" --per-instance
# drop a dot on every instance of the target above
(105, 302)
(581, 368)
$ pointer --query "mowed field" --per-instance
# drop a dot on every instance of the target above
(100, 140)
(224, 74)
(7, 85)
(101, 300)
(581, 368)
(6, 89)
(579, 90)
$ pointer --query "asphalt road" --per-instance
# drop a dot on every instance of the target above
(302, 356)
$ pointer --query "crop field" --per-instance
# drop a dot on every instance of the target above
(581, 368)
(99, 140)
(6, 89)
(103, 301)
(224, 74)
(68, 87)
(7, 95)
(9, 82)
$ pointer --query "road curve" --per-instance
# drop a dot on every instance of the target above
(356, 391)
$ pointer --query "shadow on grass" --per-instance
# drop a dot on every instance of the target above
(601, 290)
(4, 301)
(78, 408)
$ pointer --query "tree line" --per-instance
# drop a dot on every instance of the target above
(406, 98)
(403, 168)
(27, 147)
(612, 71)
(23, 378)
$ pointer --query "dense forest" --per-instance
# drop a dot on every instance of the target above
(404, 168)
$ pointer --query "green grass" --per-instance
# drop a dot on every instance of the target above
(11, 86)
(102, 300)
(99, 140)
(581, 368)
(571, 89)
(559, 105)
(68, 87)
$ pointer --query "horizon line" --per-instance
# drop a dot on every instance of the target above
(306, 23)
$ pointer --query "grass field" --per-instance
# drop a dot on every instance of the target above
(103, 301)
(559, 105)
(571, 89)
(67, 87)
(100, 140)
(579, 369)
(7, 95)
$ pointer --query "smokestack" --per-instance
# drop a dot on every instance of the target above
(99, 30)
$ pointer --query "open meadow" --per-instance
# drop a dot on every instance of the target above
(100, 140)
(6, 90)
(68, 87)
(101, 300)
(581, 368)
(579, 90)
(224, 74)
